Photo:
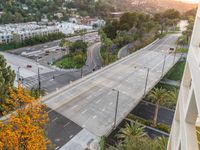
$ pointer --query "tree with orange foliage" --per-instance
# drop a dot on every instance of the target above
(25, 128)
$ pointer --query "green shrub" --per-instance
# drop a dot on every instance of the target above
(160, 126)
(163, 127)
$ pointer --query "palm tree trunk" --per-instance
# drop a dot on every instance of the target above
(155, 115)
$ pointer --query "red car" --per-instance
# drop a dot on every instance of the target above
(29, 66)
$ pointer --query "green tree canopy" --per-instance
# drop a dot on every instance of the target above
(78, 46)
(7, 77)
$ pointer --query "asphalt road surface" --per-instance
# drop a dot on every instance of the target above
(94, 60)
(20, 63)
(91, 102)
(56, 79)
(60, 129)
(146, 110)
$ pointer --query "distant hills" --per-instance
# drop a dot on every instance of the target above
(154, 5)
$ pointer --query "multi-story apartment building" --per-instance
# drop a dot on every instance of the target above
(185, 133)
(23, 31)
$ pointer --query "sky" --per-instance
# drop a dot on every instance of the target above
(190, 1)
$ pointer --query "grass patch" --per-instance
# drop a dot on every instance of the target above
(71, 61)
(166, 86)
(182, 50)
(176, 72)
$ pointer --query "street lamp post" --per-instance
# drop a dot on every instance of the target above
(116, 109)
(81, 72)
(39, 82)
(147, 76)
(163, 68)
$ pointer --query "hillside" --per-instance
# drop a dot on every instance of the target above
(161, 5)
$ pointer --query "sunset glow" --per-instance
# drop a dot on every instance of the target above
(190, 1)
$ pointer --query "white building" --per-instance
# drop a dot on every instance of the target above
(22, 31)
(70, 28)
(98, 22)
(185, 133)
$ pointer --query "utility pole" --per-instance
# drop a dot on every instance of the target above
(39, 82)
(82, 66)
(163, 68)
(116, 109)
(147, 76)
(18, 74)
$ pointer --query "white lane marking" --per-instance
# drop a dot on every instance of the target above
(74, 107)
(94, 117)
(103, 109)
(84, 111)
(67, 124)
(83, 126)
(57, 148)
(54, 119)
(110, 103)
(98, 101)
(71, 136)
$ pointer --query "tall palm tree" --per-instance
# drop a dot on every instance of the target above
(134, 129)
(158, 95)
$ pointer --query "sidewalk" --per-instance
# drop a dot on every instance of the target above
(83, 140)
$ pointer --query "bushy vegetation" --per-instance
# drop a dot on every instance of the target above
(136, 29)
(170, 96)
(159, 126)
(32, 41)
(133, 137)
(13, 11)
(7, 77)
(76, 57)
(77, 60)
(176, 73)
(25, 126)
(185, 38)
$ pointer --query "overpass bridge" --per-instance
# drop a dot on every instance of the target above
(91, 101)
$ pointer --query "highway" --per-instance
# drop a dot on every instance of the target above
(90, 102)
(49, 44)
(94, 60)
